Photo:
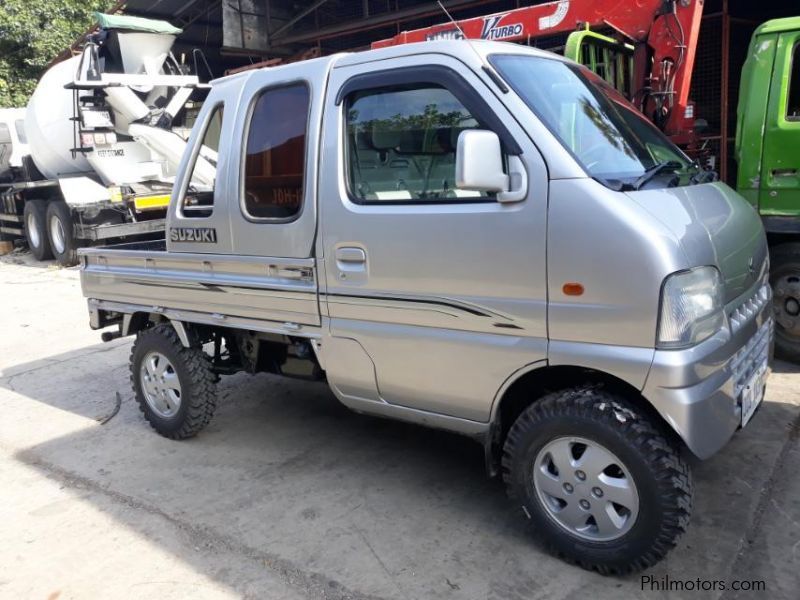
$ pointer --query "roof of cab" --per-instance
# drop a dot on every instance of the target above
(778, 26)
(467, 51)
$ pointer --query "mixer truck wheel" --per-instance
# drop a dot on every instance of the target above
(61, 235)
(34, 217)
(785, 280)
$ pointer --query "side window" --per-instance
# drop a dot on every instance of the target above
(274, 166)
(198, 201)
(793, 104)
(401, 145)
(5, 134)
(20, 125)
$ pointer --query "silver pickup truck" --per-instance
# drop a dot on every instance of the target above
(483, 238)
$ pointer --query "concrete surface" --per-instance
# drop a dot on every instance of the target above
(289, 495)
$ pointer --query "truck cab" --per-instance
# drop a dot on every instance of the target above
(478, 237)
(767, 142)
(13, 142)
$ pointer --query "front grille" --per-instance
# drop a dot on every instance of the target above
(748, 309)
(751, 356)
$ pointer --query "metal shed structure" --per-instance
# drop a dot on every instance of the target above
(236, 34)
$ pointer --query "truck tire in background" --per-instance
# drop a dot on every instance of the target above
(34, 217)
(598, 480)
(785, 280)
(61, 234)
(174, 385)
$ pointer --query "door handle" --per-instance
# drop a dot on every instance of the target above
(351, 255)
(351, 263)
(784, 172)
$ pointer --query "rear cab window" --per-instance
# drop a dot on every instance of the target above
(274, 163)
(198, 199)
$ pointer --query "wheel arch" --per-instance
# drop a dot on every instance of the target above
(535, 381)
(133, 323)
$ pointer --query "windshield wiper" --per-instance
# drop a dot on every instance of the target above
(672, 165)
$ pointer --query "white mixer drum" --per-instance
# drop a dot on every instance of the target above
(48, 125)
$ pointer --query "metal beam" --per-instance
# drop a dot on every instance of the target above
(188, 20)
(306, 11)
(377, 21)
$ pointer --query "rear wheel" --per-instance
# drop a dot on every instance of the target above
(174, 385)
(61, 234)
(598, 480)
(785, 280)
(34, 217)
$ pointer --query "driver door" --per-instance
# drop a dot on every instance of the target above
(444, 289)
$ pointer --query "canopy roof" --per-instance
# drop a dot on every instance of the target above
(135, 24)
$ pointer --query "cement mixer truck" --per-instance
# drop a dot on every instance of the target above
(104, 135)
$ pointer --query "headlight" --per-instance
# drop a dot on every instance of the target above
(691, 308)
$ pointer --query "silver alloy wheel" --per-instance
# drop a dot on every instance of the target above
(57, 236)
(585, 489)
(160, 385)
(33, 230)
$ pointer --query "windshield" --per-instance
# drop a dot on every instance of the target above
(20, 125)
(612, 141)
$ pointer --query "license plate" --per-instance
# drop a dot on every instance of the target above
(753, 393)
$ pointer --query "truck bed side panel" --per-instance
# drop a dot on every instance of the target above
(270, 289)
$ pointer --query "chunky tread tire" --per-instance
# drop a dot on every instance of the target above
(58, 209)
(785, 260)
(38, 209)
(199, 394)
(662, 477)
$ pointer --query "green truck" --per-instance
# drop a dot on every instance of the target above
(768, 156)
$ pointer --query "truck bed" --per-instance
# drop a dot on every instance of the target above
(263, 294)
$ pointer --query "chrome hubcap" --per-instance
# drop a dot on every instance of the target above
(33, 231)
(57, 235)
(786, 303)
(585, 489)
(160, 385)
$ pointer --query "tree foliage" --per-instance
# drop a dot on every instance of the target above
(32, 33)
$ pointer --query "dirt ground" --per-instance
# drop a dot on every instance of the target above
(289, 495)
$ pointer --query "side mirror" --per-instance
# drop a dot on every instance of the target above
(479, 166)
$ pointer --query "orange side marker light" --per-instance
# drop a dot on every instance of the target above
(572, 288)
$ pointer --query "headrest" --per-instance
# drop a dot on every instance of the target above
(416, 141)
(426, 141)
(385, 140)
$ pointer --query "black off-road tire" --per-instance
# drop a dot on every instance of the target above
(65, 249)
(785, 268)
(662, 477)
(198, 388)
(34, 216)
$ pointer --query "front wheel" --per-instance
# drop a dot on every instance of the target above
(785, 280)
(598, 480)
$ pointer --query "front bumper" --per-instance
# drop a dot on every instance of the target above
(699, 390)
